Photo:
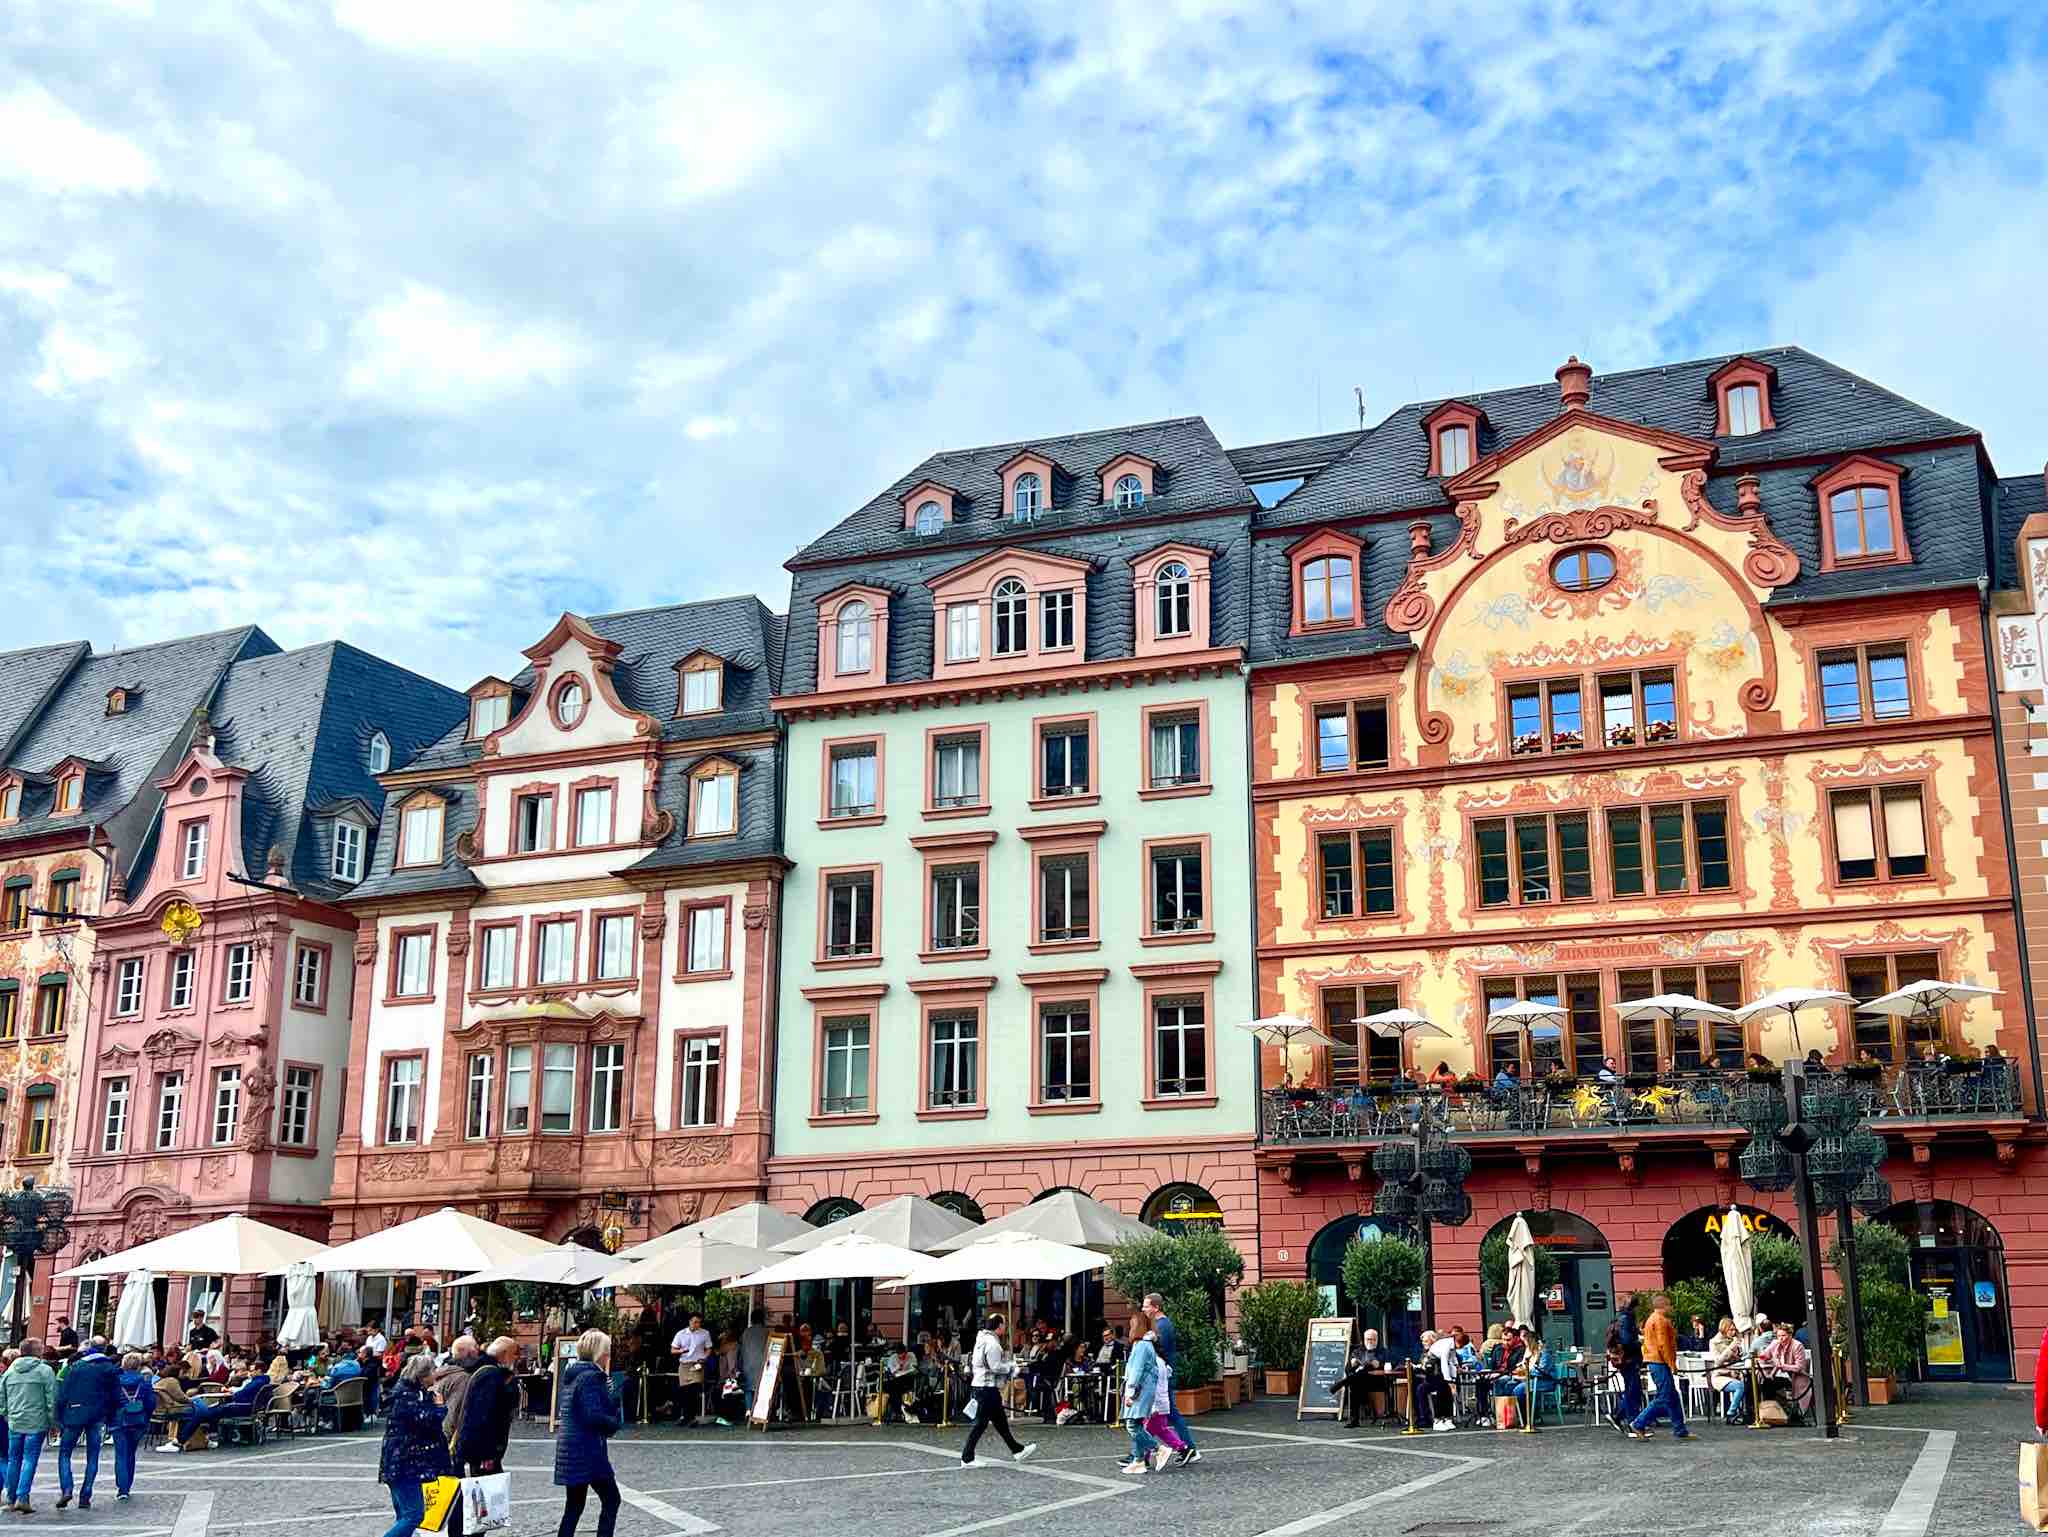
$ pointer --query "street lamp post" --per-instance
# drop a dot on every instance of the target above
(1422, 1181)
(35, 1225)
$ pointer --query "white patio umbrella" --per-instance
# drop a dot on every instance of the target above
(301, 1327)
(1065, 1216)
(1401, 1025)
(756, 1225)
(1738, 1269)
(908, 1221)
(694, 1261)
(1523, 1015)
(1925, 998)
(135, 1316)
(569, 1264)
(1010, 1256)
(1788, 1001)
(1285, 1030)
(1678, 1008)
(231, 1245)
(448, 1241)
(853, 1256)
(1521, 1271)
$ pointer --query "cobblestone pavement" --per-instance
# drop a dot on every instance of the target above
(1942, 1464)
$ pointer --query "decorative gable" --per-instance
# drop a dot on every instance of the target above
(1009, 611)
(574, 702)
(853, 638)
(1128, 467)
(1737, 414)
(928, 506)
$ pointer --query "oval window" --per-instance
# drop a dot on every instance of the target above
(1582, 570)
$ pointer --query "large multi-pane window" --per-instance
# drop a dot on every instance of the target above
(238, 983)
(607, 1086)
(1546, 717)
(1879, 834)
(309, 977)
(955, 1049)
(956, 907)
(1360, 1054)
(184, 968)
(476, 1111)
(1861, 517)
(1659, 1045)
(1326, 590)
(844, 1077)
(518, 1089)
(1063, 898)
(1637, 708)
(1175, 887)
(1173, 600)
(1895, 1038)
(856, 635)
(295, 1107)
(128, 987)
(170, 1109)
(849, 914)
(701, 1104)
(348, 852)
(956, 771)
(1066, 1065)
(1180, 1047)
(557, 1088)
(1527, 860)
(227, 1104)
(1864, 683)
(1672, 849)
(1351, 736)
(403, 1080)
(114, 1117)
(1010, 616)
(1357, 872)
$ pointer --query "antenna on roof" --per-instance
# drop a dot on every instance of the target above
(1359, 391)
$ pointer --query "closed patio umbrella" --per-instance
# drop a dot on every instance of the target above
(301, 1327)
(1738, 1269)
(1521, 1271)
(135, 1316)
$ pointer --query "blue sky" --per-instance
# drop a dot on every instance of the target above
(417, 321)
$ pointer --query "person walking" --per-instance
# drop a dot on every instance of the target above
(1148, 1388)
(28, 1394)
(1660, 1355)
(590, 1417)
(413, 1450)
(87, 1399)
(990, 1366)
(485, 1428)
(137, 1394)
(1166, 1340)
(1625, 1358)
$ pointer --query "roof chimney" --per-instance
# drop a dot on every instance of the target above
(1574, 384)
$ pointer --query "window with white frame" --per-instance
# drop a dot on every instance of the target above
(499, 967)
(711, 812)
(415, 965)
(1453, 450)
(615, 947)
(476, 1107)
(518, 1089)
(1063, 759)
(238, 974)
(114, 1117)
(701, 1104)
(844, 1081)
(1010, 608)
(128, 987)
(607, 1086)
(853, 780)
(956, 771)
(184, 967)
(1066, 1053)
(956, 907)
(295, 1107)
(700, 690)
(489, 713)
(170, 1109)
(1173, 591)
(420, 836)
(309, 977)
(380, 753)
(593, 816)
(1180, 1048)
(963, 632)
(557, 959)
(956, 1050)
(1027, 497)
(1176, 756)
(1129, 491)
(706, 939)
(1056, 620)
(533, 819)
(558, 1088)
(849, 914)
(929, 519)
(192, 861)
(227, 1104)
(1745, 410)
(1176, 886)
(348, 852)
(403, 1084)
(856, 638)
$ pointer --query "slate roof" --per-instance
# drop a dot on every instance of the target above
(2018, 498)
(1195, 476)
(1292, 456)
(300, 722)
(742, 631)
(28, 680)
(1823, 412)
(167, 681)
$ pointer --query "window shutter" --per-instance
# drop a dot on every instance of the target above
(1854, 838)
(1905, 831)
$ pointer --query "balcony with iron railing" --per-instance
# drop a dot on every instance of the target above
(1969, 1092)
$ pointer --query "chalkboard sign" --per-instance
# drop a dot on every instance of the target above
(564, 1357)
(773, 1365)
(1323, 1363)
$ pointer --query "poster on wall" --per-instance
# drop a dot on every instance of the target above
(1944, 1329)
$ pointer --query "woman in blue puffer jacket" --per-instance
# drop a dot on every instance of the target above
(414, 1447)
(589, 1417)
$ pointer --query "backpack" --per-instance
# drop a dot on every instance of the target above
(137, 1405)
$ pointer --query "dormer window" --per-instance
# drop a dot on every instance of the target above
(419, 834)
(928, 507)
(1861, 513)
(1173, 593)
(380, 753)
(1326, 590)
(192, 856)
(963, 632)
(703, 686)
(349, 843)
(1027, 498)
(117, 701)
(1453, 430)
(1012, 634)
(856, 638)
(10, 802)
(571, 700)
(713, 802)
(1129, 491)
(70, 793)
(1453, 450)
(488, 713)
(1745, 410)
(930, 518)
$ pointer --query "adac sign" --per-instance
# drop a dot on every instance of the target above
(1756, 1221)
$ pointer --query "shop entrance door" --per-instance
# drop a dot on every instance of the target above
(1967, 1339)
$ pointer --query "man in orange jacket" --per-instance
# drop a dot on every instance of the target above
(1660, 1355)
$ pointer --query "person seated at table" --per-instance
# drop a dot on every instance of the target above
(1366, 1379)
(1694, 1335)
(1757, 1062)
(199, 1417)
(1508, 1079)
(1788, 1375)
(1538, 1364)
(1725, 1351)
(728, 1387)
(1609, 1072)
(899, 1381)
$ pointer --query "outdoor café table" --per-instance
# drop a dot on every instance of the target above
(1089, 1392)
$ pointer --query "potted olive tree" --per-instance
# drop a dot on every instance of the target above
(1275, 1316)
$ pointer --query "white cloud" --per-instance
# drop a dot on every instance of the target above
(429, 351)
(46, 145)
(699, 428)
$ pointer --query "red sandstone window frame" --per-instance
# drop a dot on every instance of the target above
(1060, 840)
(685, 918)
(479, 944)
(1089, 793)
(822, 958)
(1175, 979)
(1736, 372)
(1354, 833)
(534, 924)
(386, 1081)
(1874, 793)
(1860, 653)
(1050, 990)
(874, 740)
(701, 774)
(310, 1147)
(488, 689)
(424, 805)
(933, 736)
(598, 915)
(1452, 413)
(1149, 933)
(677, 1065)
(944, 851)
(845, 1004)
(1615, 1032)
(1148, 789)
(950, 996)
(538, 790)
(1902, 1038)
(394, 949)
(581, 787)
(1150, 640)
(1324, 1063)
(701, 662)
(555, 692)
(1325, 544)
(1857, 472)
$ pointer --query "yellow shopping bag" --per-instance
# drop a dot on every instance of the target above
(440, 1494)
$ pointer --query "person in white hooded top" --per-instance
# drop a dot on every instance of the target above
(991, 1366)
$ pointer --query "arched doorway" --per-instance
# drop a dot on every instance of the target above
(824, 1305)
(1400, 1330)
(1181, 1208)
(1956, 1260)
(1692, 1249)
(1579, 1305)
(959, 1205)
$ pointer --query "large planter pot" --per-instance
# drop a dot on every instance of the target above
(1881, 1390)
(1191, 1400)
(1232, 1386)
(1282, 1384)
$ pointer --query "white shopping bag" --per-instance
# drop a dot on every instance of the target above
(487, 1503)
